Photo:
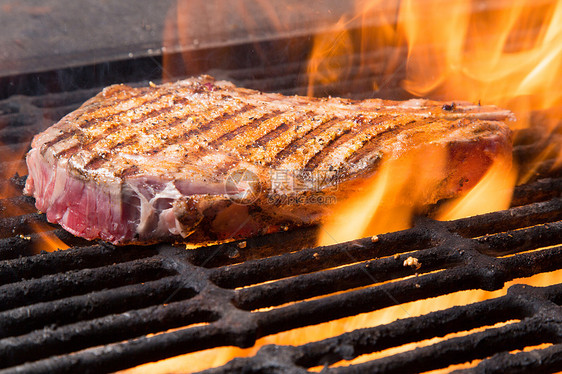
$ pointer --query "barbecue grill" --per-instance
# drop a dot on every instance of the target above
(99, 308)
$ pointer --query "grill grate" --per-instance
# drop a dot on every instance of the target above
(95, 298)
(538, 310)
(97, 308)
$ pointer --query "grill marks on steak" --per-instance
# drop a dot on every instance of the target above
(211, 123)
(154, 152)
(351, 143)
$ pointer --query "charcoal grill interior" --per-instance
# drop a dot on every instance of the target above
(99, 308)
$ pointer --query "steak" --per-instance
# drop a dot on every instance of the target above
(203, 160)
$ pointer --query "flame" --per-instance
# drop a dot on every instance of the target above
(508, 55)
(491, 194)
(324, 66)
(479, 54)
(505, 55)
(389, 200)
(12, 166)
(45, 239)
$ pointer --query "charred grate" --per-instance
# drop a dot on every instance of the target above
(537, 309)
(97, 308)
(90, 308)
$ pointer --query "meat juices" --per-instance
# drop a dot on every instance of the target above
(203, 160)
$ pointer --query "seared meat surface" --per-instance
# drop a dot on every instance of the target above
(200, 160)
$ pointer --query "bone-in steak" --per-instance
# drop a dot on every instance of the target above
(206, 160)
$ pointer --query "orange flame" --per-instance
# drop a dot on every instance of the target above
(325, 65)
(47, 240)
(389, 200)
(12, 166)
(11, 160)
(491, 194)
(508, 55)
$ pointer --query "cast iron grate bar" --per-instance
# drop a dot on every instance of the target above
(451, 264)
(547, 360)
(538, 318)
(71, 309)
